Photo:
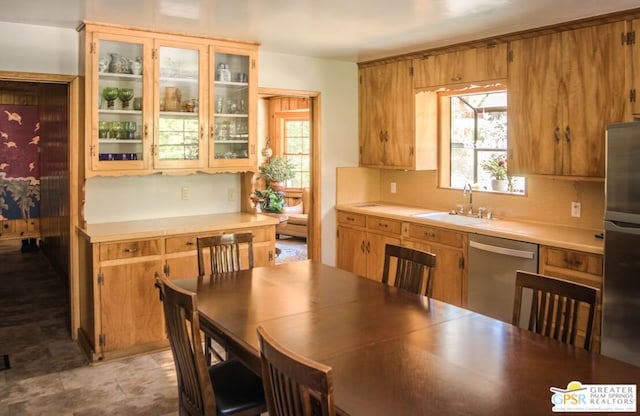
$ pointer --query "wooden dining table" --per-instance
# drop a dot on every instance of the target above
(393, 352)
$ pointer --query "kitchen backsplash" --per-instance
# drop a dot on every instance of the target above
(547, 200)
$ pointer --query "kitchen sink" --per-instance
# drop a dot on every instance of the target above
(451, 218)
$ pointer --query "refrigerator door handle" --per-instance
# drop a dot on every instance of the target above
(615, 226)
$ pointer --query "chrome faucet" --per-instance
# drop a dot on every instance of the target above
(464, 196)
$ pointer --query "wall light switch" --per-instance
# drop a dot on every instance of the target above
(186, 193)
(230, 195)
(575, 209)
(393, 187)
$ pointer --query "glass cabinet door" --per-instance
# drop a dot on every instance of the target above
(232, 130)
(119, 126)
(179, 135)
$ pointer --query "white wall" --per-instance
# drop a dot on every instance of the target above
(337, 83)
(156, 196)
(41, 49)
(29, 48)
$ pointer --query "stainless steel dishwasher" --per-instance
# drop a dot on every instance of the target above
(492, 269)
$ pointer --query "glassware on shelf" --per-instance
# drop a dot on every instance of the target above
(103, 129)
(115, 129)
(129, 129)
(125, 95)
(110, 94)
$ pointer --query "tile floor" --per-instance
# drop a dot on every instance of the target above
(49, 375)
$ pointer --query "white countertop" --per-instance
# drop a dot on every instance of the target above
(534, 232)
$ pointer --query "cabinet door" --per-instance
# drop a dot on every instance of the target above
(593, 65)
(233, 109)
(399, 139)
(448, 275)
(469, 65)
(130, 310)
(371, 116)
(375, 247)
(179, 134)
(352, 255)
(535, 67)
(635, 65)
(119, 104)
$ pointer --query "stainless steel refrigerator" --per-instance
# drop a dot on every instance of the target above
(621, 291)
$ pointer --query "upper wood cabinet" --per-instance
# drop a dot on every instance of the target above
(185, 103)
(564, 88)
(386, 118)
(464, 66)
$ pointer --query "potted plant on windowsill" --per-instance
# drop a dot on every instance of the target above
(496, 166)
(276, 172)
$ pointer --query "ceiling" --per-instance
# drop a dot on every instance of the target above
(347, 30)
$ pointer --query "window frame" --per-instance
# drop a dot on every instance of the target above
(281, 119)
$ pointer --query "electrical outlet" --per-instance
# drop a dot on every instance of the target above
(575, 209)
(186, 193)
(230, 195)
(393, 187)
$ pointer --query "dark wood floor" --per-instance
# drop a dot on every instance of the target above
(49, 375)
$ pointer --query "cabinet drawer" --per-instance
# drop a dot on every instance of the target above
(129, 249)
(349, 218)
(436, 235)
(574, 260)
(182, 243)
(384, 224)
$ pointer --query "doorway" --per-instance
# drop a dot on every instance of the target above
(53, 100)
(278, 107)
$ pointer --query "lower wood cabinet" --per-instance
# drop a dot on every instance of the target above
(450, 247)
(120, 310)
(361, 242)
(579, 267)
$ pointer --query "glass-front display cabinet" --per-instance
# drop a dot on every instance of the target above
(233, 131)
(157, 101)
(120, 128)
(179, 136)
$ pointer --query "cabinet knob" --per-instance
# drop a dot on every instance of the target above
(362, 246)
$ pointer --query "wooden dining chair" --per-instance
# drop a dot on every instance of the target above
(224, 255)
(554, 307)
(294, 385)
(227, 388)
(413, 270)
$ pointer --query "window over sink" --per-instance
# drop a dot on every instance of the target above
(473, 140)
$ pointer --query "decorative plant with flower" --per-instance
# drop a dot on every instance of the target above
(496, 165)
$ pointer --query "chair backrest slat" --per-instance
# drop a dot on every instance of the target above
(413, 270)
(225, 254)
(294, 385)
(555, 306)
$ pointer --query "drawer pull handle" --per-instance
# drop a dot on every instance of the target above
(131, 250)
(191, 243)
(350, 219)
(383, 225)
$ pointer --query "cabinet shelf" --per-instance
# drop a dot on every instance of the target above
(120, 77)
(117, 111)
(231, 115)
(183, 114)
(231, 84)
(119, 141)
(179, 80)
